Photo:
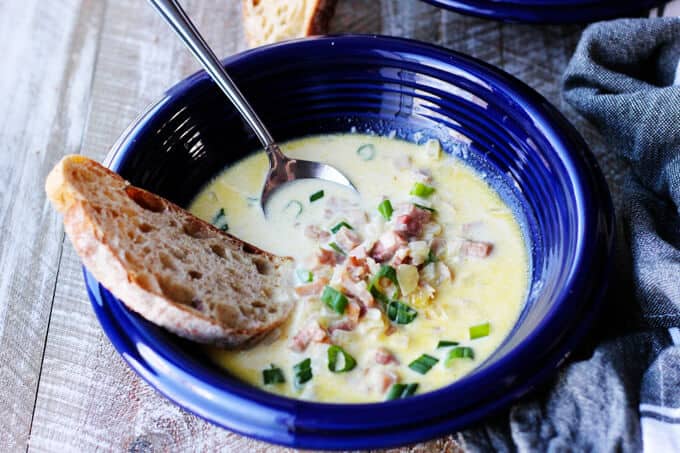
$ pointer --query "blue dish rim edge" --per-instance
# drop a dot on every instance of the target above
(565, 12)
(538, 107)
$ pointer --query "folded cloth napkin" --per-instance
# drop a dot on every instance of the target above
(623, 393)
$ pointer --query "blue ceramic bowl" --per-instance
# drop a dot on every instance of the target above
(497, 124)
(549, 11)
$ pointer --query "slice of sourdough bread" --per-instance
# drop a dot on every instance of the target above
(268, 21)
(172, 268)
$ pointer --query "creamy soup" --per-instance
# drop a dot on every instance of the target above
(403, 287)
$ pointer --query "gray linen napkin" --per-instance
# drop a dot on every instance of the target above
(623, 392)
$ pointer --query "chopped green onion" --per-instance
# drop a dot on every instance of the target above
(347, 362)
(304, 275)
(315, 196)
(480, 330)
(337, 248)
(375, 292)
(446, 344)
(424, 207)
(337, 227)
(400, 313)
(385, 271)
(460, 352)
(273, 375)
(423, 364)
(398, 391)
(220, 220)
(294, 206)
(431, 258)
(303, 372)
(421, 190)
(335, 300)
(366, 152)
(385, 209)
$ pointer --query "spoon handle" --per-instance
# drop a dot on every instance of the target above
(178, 19)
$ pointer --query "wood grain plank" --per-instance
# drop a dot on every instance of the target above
(45, 84)
(88, 399)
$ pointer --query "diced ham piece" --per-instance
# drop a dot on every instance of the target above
(354, 311)
(311, 289)
(385, 357)
(347, 239)
(387, 379)
(476, 249)
(356, 268)
(345, 324)
(387, 245)
(316, 233)
(358, 253)
(400, 256)
(358, 290)
(410, 221)
(324, 256)
(311, 332)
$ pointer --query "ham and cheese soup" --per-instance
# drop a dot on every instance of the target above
(402, 288)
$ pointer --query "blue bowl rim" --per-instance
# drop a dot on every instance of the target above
(536, 106)
(547, 12)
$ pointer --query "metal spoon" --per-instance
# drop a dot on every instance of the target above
(281, 168)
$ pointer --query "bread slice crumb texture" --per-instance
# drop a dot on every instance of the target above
(174, 269)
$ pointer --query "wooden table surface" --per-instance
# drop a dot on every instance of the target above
(75, 73)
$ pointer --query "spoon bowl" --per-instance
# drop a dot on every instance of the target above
(282, 169)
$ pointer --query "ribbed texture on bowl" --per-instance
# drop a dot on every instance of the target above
(549, 11)
(506, 131)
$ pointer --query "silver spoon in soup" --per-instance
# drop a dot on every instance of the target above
(282, 169)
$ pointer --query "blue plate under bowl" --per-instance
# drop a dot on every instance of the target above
(498, 125)
(549, 11)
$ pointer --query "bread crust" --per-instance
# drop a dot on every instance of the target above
(110, 265)
(316, 23)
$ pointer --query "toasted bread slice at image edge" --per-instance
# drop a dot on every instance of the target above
(268, 21)
(172, 268)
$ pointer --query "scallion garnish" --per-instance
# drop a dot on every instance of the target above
(421, 190)
(294, 207)
(385, 209)
(220, 220)
(366, 152)
(304, 275)
(337, 227)
(460, 352)
(336, 248)
(387, 272)
(335, 300)
(315, 196)
(446, 344)
(346, 362)
(480, 330)
(423, 364)
(431, 258)
(400, 313)
(303, 372)
(273, 375)
(398, 391)
(427, 208)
